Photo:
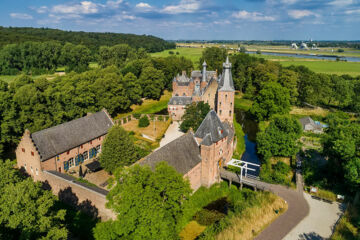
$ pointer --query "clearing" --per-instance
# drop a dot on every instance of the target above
(192, 53)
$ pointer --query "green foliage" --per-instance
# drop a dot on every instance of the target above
(116, 55)
(149, 203)
(91, 40)
(194, 115)
(144, 121)
(240, 144)
(207, 217)
(214, 58)
(272, 99)
(137, 115)
(280, 138)
(118, 150)
(26, 210)
(152, 82)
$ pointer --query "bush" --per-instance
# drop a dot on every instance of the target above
(144, 122)
(137, 115)
(129, 118)
(207, 217)
(124, 120)
(160, 118)
(171, 52)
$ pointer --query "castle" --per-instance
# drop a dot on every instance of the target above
(48, 154)
(204, 86)
(200, 155)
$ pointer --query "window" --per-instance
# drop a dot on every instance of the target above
(229, 113)
(220, 152)
(231, 104)
(220, 112)
(36, 171)
(220, 104)
(86, 155)
(98, 148)
(71, 162)
(81, 146)
(99, 138)
(25, 166)
(32, 153)
(68, 152)
(23, 149)
(90, 142)
(225, 98)
(57, 158)
(31, 169)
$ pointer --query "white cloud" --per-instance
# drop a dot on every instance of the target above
(85, 7)
(252, 16)
(289, 2)
(42, 9)
(341, 3)
(298, 14)
(114, 4)
(355, 11)
(22, 16)
(222, 22)
(143, 5)
(185, 6)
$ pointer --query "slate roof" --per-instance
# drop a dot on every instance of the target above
(196, 73)
(211, 130)
(61, 138)
(308, 120)
(230, 131)
(94, 166)
(226, 81)
(183, 154)
(180, 100)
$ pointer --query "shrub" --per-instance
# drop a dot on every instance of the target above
(129, 118)
(144, 122)
(207, 217)
(137, 115)
(282, 168)
(177, 53)
(124, 120)
(171, 52)
(152, 116)
(167, 118)
(160, 118)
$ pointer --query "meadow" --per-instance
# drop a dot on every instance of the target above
(192, 53)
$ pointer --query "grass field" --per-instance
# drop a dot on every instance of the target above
(318, 66)
(149, 106)
(192, 53)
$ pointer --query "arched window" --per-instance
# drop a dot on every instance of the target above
(230, 113)
(225, 97)
(220, 112)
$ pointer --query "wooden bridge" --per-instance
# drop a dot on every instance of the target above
(249, 180)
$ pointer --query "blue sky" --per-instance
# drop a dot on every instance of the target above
(193, 19)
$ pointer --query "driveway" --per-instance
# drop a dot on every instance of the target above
(320, 221)
(172, 133)
(298, 209)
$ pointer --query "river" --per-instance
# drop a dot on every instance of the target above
(250, 128)
(320, 57)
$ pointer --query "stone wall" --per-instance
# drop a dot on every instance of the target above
(194, 176)
(176, 111)
(129, 118)
(87, 199)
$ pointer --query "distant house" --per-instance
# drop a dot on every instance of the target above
(310, 125)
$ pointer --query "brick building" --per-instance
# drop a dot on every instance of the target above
(63, 147)
(206, 86)
(200, 156)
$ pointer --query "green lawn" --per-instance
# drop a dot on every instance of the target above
(192, 53)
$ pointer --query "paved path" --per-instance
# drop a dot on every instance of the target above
(172, 133)
(320, 221)
(298, 207)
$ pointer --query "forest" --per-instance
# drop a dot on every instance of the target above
(91, 40)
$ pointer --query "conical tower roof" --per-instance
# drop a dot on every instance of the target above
(226, 82)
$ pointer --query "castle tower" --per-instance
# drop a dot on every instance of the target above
(226, 92)
(203, 80)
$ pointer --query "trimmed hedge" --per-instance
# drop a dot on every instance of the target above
(144, 122)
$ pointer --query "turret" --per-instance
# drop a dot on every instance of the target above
(203, 80)
(225, 107)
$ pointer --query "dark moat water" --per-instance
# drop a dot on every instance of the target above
(250, 128)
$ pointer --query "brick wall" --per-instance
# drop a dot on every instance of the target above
(225, 109)
(194, 176)
(83, 196)
(181, 90)
(176, 111)
(209, 95)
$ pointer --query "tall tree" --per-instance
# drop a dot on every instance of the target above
(149, 204)
(118, 150)
(194, 115)
(272, 99)
(152, 82)
(214, 57)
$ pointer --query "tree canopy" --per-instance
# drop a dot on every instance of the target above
(214, 57)
(194, 114)
(26, 210)
(272, 99)
(280, 138)
(148, 203)
(118, 150)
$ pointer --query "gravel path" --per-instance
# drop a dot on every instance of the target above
(172, 133)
